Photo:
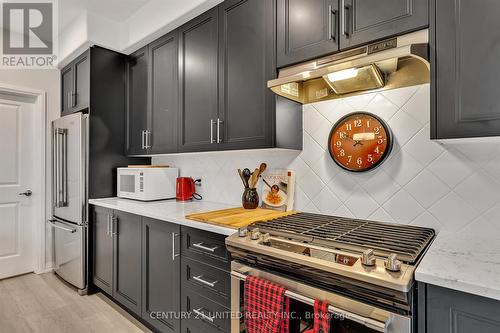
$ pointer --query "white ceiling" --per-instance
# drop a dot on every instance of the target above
(116, 10)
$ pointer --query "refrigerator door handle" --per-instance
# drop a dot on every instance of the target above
(65, 167)
(61, 167)
(53, 224)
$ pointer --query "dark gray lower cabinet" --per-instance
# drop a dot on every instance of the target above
(450, 311)
(464, 68)
(127, 261)
(103, 249)
(160, 271)
(364, 21)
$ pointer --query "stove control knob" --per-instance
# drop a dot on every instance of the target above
(368, 258)
(392, 263)
(255, 234)
(265, 238)
(242, 232)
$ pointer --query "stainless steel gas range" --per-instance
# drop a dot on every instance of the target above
(364, 269)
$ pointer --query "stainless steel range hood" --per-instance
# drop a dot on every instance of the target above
(393, 63)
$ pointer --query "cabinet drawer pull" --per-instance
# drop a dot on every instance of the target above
(205, 248)
(205, 282)
(202, 315)
(212, 122)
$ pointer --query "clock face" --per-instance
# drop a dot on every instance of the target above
(360, 141)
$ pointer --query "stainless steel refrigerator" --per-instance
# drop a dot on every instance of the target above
(70, 198)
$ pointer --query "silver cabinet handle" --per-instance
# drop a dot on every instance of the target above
(212, 131)
(53, 224)
(114, 225)
(108, 224)
(148, 139)
(219, 140)
(332, 24)
(205, 248)
(202, 315)
(174, 255)
(143, 145)
(205, 282)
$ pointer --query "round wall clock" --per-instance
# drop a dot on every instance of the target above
(360, 141)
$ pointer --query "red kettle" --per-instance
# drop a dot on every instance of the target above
(185, 189)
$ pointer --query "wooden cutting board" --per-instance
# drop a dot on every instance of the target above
(237, 217)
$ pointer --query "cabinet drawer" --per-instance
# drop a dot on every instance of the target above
(206, 315)
(206, 247)
(207, 281)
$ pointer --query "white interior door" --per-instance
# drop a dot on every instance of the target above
(19, 167)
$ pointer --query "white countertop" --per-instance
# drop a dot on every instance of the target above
(168, 210)
(467, 261)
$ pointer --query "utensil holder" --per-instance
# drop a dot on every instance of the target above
(250, 198)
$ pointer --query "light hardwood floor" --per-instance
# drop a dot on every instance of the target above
(43, 303)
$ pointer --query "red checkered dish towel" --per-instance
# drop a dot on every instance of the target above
(321, 318)
(266, 307)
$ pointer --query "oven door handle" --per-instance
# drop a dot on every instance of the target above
(376, 325)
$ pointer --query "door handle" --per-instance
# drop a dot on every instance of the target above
(201, 315)
(28, 193)
(332, 24)
(53, 224)
(174, 255)
(218, 130)
(212, 131)
(347, 20)
(143, 141)
(148, 139)
(114, 225)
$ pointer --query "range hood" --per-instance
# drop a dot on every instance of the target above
(393, 63)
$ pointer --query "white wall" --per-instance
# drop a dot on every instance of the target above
(46, 80)
(446, 187)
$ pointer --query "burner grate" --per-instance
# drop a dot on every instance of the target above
(408, 242)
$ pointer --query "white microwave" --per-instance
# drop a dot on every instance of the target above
(147, 184)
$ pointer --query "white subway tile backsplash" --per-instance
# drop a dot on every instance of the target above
(443, 186)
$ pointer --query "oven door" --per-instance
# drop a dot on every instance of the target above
(350, 315)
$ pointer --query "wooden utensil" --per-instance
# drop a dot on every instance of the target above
(246, 176)
(255, 178)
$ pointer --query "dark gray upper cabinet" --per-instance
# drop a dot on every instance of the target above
(464, 69)
(306, 29)
(137, 102)
(75, 85)
(66, 88)
(447, 310)
(198, 65)
(103, 249)
(363, 21)
(161, 273)
(127, 261)
(164, 81)
(81, 93)
(246, 63)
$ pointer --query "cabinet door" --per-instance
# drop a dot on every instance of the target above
(246, 63)
(198, 78)
(164, 76)
(81, 92)
(364, 21)
(464, 71)
(103, 249)
(66, 89)
(127, 230)
(454, 311)
(306, 29)
(161, 273)
(137, 101)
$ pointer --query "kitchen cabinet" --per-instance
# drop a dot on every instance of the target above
(306, 29)
(364, 21)
(464, 70)
(445, 310)
(103, 249)
(137, 102)
(311, 29)
(161, 273)
(164, 94)
(127, 261)
(198, 43)
(75, 85)
(246, 63)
